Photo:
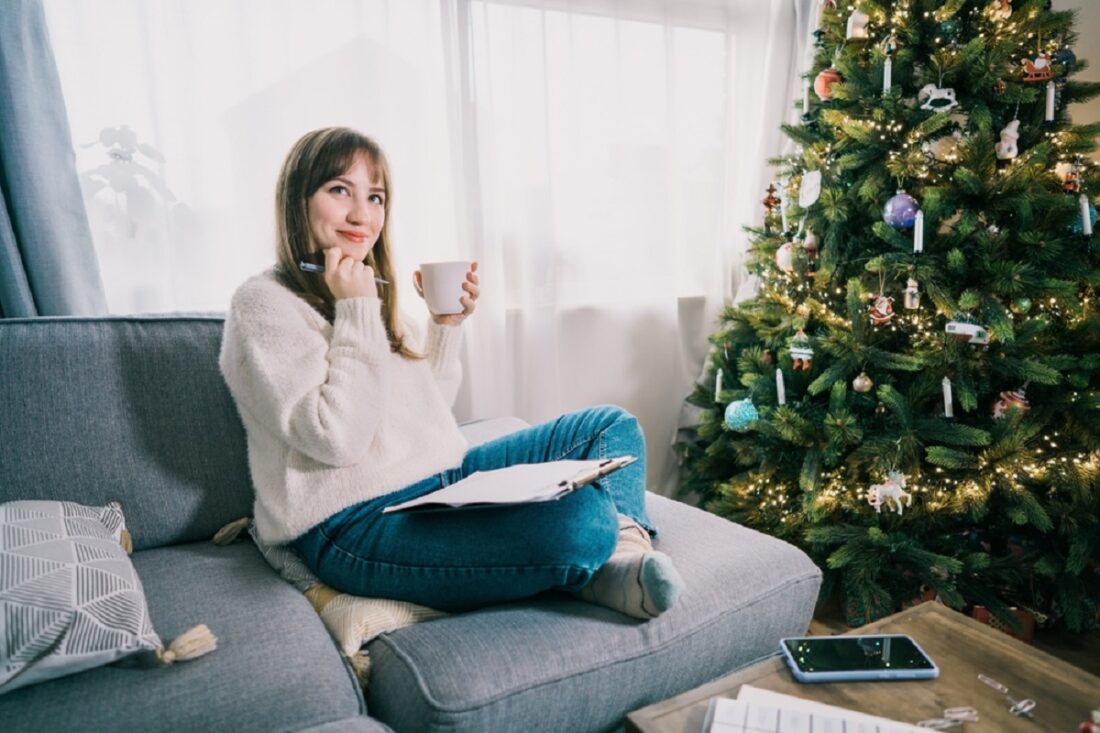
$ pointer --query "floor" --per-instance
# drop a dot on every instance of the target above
(1080, 650)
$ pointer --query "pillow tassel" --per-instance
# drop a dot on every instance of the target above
(126, 541)
(228, 534)
(195, 642)
(360, 662)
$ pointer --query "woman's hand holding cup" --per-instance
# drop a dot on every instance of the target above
(451, 297)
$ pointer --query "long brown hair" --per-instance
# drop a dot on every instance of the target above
(317, 158)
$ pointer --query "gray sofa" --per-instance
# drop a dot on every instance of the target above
(134, 410)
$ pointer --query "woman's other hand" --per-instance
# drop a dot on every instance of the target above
(469, 302)
(346, 277)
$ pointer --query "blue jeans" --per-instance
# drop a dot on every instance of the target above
(460, 560)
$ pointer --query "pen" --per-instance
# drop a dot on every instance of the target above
(310, 267)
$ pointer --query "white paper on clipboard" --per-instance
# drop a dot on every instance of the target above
(523, 483)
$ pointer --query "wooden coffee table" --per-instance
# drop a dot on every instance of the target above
(960, 646)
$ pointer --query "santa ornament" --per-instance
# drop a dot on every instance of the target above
(881, 309)
(1009, 400)
(784, 257)
(1071, 181)
(1038, 69)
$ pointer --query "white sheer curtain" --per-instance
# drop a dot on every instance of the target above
(598, 158)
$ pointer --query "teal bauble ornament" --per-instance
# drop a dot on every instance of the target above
(1020, 306)
(950, 31)
(740, 415)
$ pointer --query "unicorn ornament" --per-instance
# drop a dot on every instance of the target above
(892, 489)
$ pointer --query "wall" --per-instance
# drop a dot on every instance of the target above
(1087, 48)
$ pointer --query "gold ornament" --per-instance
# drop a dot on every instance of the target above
(862, 383)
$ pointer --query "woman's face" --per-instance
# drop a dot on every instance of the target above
(348, 212)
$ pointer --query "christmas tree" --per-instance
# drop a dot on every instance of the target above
(911, 395)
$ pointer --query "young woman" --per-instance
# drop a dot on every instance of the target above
(346, 412)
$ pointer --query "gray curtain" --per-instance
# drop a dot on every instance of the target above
(47, 262)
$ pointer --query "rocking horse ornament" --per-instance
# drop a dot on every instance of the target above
(937, 98)
(893, 490)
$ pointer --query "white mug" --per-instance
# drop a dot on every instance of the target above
(442, 282)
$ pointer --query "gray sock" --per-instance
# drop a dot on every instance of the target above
(636, 580)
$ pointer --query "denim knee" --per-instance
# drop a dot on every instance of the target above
(606, 417)
(587, 544)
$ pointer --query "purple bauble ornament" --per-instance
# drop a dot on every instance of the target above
(900, 211)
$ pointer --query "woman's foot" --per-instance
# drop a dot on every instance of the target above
(636, 580)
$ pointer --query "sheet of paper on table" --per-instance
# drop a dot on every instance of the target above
(762, 711)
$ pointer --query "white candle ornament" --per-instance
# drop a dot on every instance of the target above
(1050, 101)
(1086, 219)
(948, 410)
(887, 75)
(718, 386)
(783, 205)
(780, 388)
(918, 233)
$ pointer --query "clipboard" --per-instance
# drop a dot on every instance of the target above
(522, 483)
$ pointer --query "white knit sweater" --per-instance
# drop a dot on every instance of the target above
(332, 416)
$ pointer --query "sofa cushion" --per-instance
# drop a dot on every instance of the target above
(276, 668)
(126, 409)
(70, 599)
(350, 725)
(558, 664)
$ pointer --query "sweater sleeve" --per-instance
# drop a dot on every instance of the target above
(323, 398)
(444, 348)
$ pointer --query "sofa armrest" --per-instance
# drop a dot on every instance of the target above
(482, 431)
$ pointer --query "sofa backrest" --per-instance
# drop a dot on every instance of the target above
(127, 409)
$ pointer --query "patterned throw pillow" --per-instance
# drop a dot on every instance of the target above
(70, 599)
